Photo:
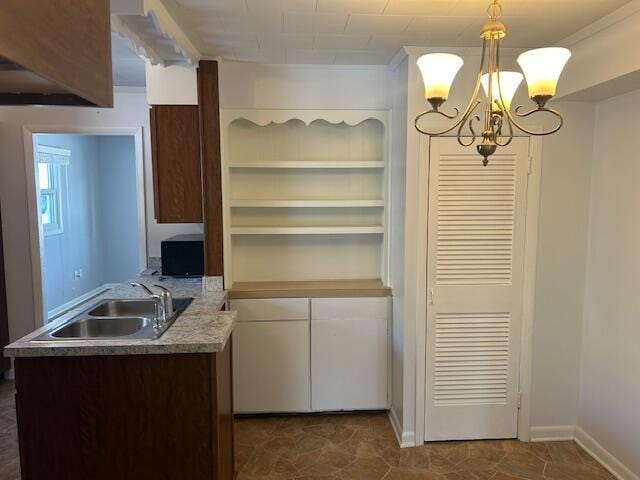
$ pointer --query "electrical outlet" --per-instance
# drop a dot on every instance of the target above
(77, 274)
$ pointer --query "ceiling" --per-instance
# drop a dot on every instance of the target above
(368, 32)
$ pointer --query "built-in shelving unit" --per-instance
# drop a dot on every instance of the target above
(305, 195)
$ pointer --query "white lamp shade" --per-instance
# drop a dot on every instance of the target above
(542, 68)
(438, 72)
(509, 83)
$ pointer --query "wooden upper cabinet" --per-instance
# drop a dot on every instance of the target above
(55, 52)
(177, 178)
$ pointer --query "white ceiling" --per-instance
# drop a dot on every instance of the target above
(368, 31)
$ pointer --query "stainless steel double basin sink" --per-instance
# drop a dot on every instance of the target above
(112, 319)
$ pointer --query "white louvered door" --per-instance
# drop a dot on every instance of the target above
(475, 273)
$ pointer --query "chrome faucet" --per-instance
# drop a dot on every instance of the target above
(163, 302)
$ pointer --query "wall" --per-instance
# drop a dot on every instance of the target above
(397, 229)
(248, 85)
(609, 387)
(100, 221)
(117, 213)
(560, 269)
(78, 246)
(605, 44)
(130, 110)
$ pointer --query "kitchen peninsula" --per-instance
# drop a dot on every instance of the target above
(130, 408)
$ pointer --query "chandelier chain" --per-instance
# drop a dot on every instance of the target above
(494, 10)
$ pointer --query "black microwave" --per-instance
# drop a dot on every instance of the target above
(183, 255)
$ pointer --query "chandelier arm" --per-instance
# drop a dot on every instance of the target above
(473, 132)
(438, 112)
(464, 121)
(509, 115)
(509, 137)
(471, 106)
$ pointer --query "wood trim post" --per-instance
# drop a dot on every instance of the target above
(209, 104)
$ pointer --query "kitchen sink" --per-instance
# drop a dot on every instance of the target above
(132, 308)
(115, 319)
(102, 327)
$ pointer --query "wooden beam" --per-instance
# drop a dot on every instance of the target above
(67, 42)
(209, 104)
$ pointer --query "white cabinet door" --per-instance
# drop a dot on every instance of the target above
(271, 356)
(349, 353)
(475, 268)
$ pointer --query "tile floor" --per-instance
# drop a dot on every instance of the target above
(360, 447)
(354, 447)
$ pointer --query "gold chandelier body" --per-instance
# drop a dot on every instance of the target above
(499, 121)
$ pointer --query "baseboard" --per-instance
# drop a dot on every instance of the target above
(70, 305)
(554, 433)
(603, 456)
(405, 439)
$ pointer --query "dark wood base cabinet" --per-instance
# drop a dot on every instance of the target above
(160, 417)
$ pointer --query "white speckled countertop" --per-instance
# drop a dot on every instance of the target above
(202, 327)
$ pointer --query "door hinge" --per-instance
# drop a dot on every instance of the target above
(530, 168)
(431, 299)
(519, 400)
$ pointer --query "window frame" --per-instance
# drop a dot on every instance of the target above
(54, 171)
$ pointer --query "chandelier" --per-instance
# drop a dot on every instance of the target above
(542, 68)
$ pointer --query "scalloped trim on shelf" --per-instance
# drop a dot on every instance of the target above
(306, 122)
(265, 117)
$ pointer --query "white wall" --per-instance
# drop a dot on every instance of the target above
(78, 246)
(249, 85)
(601, 56)
(398, 169)
(560, 270)
(131, 110)
(609, 386)
(118, 217)
(100, 221)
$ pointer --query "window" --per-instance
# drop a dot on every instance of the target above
(50, 162)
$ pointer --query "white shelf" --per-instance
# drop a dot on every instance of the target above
(309, 164)
(255, 203)
(341, 230)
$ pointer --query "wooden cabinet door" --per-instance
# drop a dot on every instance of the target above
(177, 178)
(349, 353)
(271, 356)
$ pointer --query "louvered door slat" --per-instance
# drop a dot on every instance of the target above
(495, 184)
(474, 270)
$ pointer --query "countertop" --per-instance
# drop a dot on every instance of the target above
(314, 289)
(202, 327)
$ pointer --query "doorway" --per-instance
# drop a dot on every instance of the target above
(478, 281)
(87, 214)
